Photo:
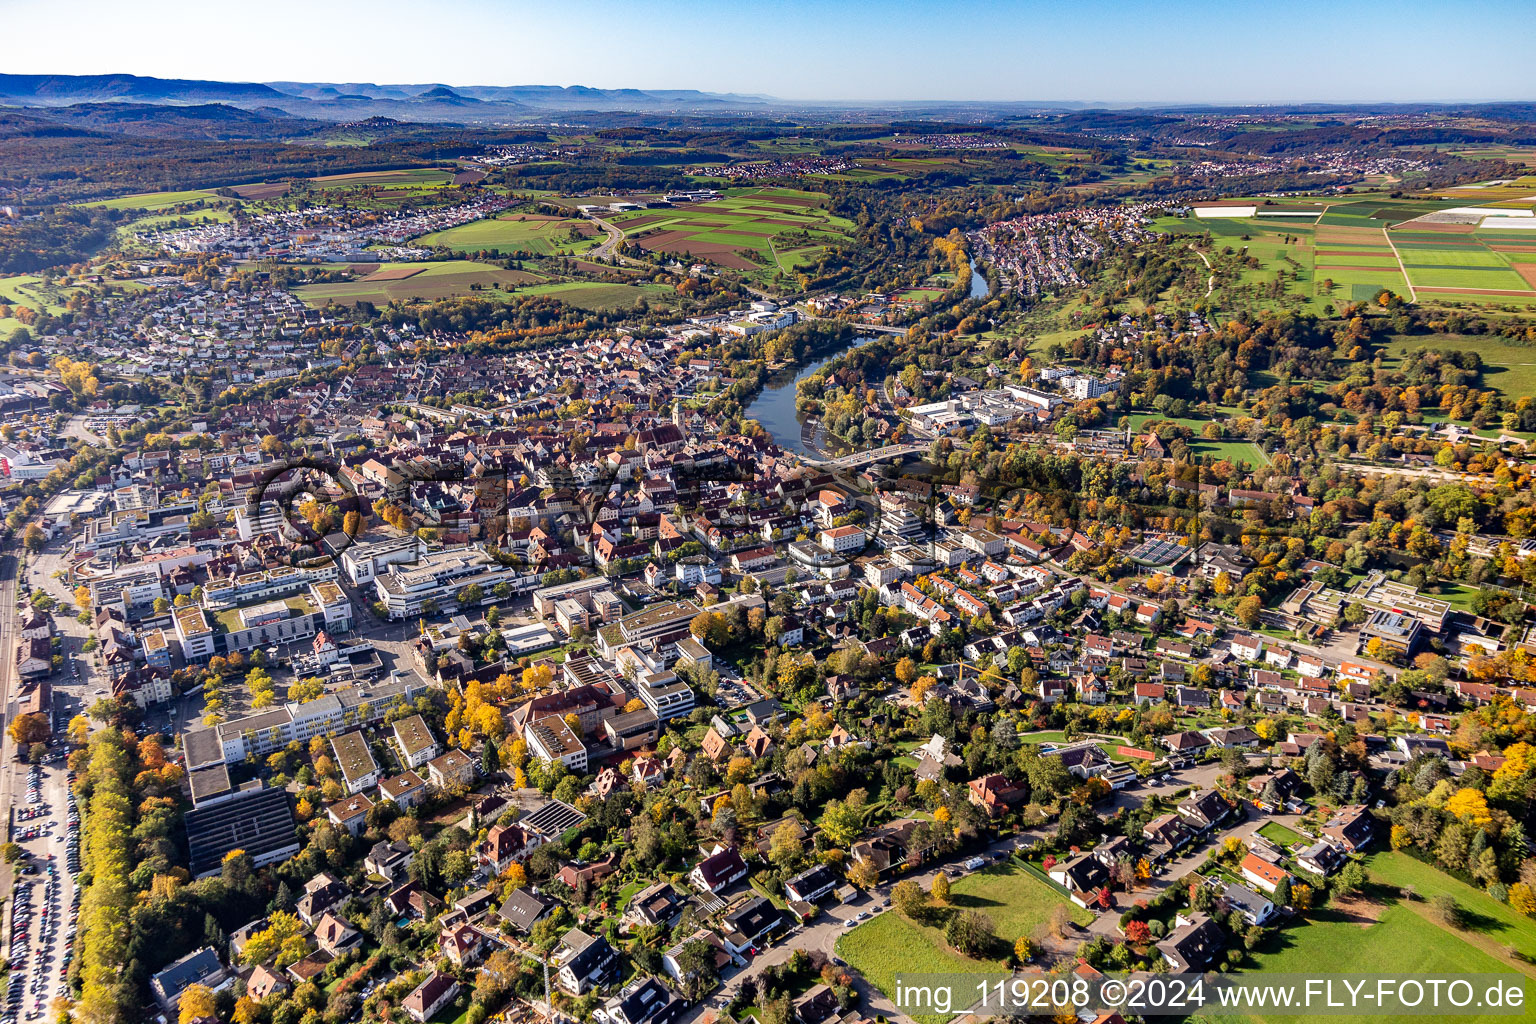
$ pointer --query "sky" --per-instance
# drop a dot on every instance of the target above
(1093, 51)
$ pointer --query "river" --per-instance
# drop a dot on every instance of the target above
(980, 286)
(774, 408)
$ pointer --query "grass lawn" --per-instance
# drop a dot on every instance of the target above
(1278, 833)
(1018, 903)
(1495, 923)
(1401, 943)
(1235, 451)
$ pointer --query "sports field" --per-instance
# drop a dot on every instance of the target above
(391, 282)
(510, 233)
(761, 231)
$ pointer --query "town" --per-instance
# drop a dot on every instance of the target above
(559, 554)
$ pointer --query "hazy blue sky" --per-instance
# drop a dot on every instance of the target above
(1091, 50)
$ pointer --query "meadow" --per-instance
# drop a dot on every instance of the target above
(1386, 934)
(401, 282)
(1018, 903)
(27, 290)
(518, 232)
(150, 201)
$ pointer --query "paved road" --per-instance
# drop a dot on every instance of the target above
(610, 245)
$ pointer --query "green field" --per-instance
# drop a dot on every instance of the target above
(1235, 451)
(518, 232)
(1347, 256)
(154, 200)
(407, 176)
(1018, 903)
(1508, 369)
(1278, 833)
(435, 281)
(27, 290)
(763, 232)
(1402, 940)
(599, 295)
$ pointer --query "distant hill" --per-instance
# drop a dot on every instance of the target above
(66, 89)
(149, 120)
(351, 101)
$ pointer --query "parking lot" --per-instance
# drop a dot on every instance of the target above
(44, 900)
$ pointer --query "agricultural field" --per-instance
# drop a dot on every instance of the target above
(407, 176)
(762, 231)
(150, 201)
(601, 295)
(532, 233)
(1018, 903)
(391, 282)
(1357, 248)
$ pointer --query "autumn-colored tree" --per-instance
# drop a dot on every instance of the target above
(1470, 806)
(1248, 610)
(1137, 932)
(908, 897)
(906, 671)
(939, 890)
(29, 729)
(196, 1003)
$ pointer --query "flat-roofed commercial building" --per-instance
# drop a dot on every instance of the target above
(359, 771)
(415, 741)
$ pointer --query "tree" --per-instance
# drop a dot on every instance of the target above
(842, 823)
(1248, 611)
(906, 671)
(939, 890)
(1523, 899)
(1351, 878)
(29, 729)
(971, 932)
(1282, 896)
(196, 1002)
(1447, 911)
(908, 897)
(1470, 806)
(1137, 932)
(864, 875)
(33, 537)
(786, 848)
